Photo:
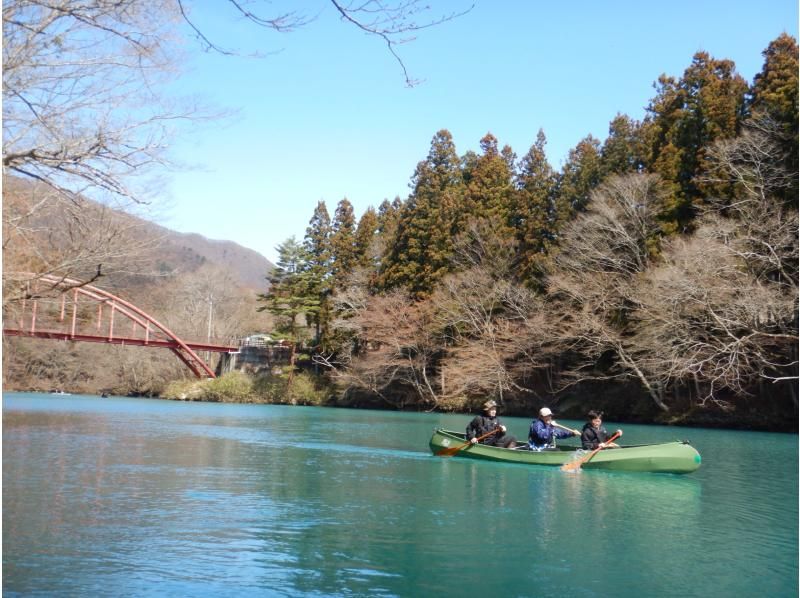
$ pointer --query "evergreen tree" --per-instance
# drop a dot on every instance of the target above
(420, 254)
(388, 215)
(317, 241)
(509, 157)
(364, 238)
(534, 209)
(292, 289)
(580, 174)
(623, 151)
(684, 119)
(489, 187)
(343, 248)
(317, 245)
(775, 88)
(775, 95)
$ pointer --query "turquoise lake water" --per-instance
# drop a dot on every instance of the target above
(140, 497)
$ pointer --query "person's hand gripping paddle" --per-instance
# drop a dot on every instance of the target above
(449, 452)
(575, 465)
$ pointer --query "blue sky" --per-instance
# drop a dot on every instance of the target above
(326, 114)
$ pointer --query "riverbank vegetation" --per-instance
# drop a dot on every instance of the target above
(240, 387)
(655, 273)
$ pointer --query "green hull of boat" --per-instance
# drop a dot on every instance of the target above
(669, 457)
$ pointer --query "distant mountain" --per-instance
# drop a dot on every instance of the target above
(57, 226)
(190, 250)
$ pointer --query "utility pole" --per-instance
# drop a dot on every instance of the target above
(208, 336)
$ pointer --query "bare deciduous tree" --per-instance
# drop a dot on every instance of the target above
(720, 312)
(81, 108)
(208, 305)
(755, 161)
(83, 120)
(602, 252)
(706, 323)
(766, 228)
(394, 23)
(393, 347)
(43, 233)
(482, 317)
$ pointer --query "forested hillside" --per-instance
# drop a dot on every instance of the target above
(654, 275)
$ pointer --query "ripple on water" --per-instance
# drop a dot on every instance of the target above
(312, 502)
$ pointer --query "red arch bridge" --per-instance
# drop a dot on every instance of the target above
(64, 309)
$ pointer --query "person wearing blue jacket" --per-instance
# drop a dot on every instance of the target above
(543, 433)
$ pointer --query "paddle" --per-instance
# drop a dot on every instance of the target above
(573, 465)
(554, 424)
(449, 452)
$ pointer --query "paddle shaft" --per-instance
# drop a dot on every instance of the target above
(449, 452)
(577, 464)
(555, 425)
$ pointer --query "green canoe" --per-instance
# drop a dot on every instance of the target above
(669, 457)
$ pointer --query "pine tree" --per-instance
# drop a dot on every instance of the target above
(292, 290)
(489, 187)
(364, 239)
(623, 150)
(534, 209)
(423, 245)
(388, 215)
(684, 119)
(343, 248)
(775, 88)
(579, 176)
(317, 245)
(317, 241)
(775, 95)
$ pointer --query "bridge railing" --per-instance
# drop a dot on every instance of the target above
(59, 308)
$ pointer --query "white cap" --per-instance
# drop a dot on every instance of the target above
(544, 412)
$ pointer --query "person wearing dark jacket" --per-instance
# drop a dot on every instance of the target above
(594, 435)
(485, 423)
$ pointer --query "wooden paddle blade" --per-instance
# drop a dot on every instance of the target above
(448, 452)
(572, 465)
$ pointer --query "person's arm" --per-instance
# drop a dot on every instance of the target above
(605, 436)
(562, 433)
(473, 429)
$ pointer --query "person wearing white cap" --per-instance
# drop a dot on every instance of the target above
(544, 431)
(482, 425)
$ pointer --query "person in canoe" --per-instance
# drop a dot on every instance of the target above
(483, 424)
(544, 431)
(594, 435)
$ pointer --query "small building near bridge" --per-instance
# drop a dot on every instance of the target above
(257, 353)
